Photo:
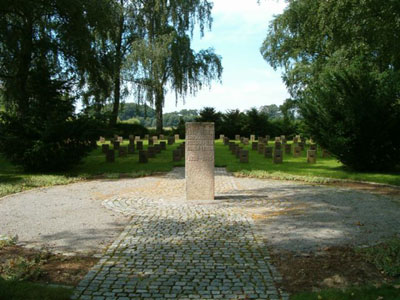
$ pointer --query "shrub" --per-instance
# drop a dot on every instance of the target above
(47, 146)
(355, 114)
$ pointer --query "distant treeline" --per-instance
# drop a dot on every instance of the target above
(145, 115)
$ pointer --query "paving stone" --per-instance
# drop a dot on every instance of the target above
(178, 249)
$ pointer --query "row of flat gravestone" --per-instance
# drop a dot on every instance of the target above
(275, 152)
(151, 152)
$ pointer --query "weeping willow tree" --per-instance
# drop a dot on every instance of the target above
(163, 59)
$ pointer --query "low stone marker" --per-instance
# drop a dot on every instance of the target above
(122, 151)
(162, 137)
(311, 156)
(221, 137)
(102, 140)
(288, 149)
(237, 137)
(313, 147)
(254, 146)
(246, 141)
(116, 145)
(131, 148)
(199, 165)
(139, 145)
(261, 148)
(163, 145)
(105, 148)
(137, 138)
(155, 139)
(120, 139)
(171, 140)
(325, 153)
(252, 137)
(151, 152)
(143, 156)
(176, 155)
(297, 151)
(110, 156)
(157, 148)
(278, 157)
(177, 137)
(277, 139)
(244, 156)
(268, 152)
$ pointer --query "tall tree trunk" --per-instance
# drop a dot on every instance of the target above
(159, 110)
(117, 71)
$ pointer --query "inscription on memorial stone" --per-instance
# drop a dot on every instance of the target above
(199, 166)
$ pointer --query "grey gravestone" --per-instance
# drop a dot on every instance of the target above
(325, 153)
(261, 148)
(102, 140)
(137, 138)
(139, 145)
(157, 148)
(199, 165)
(162, 137)
(252, 137)
(155, 139)
(177, 137)
(143, 156)
(237, 137)
(176, 155)
(244, 156)
(246, 141)
(311, 156)
(163, 145)
(120, 139)
(297, 151)
(151, 152)
(123, 151)
(278, 157)
(131, 148)
(221, 136)
(105, 148)
(110, 156)
(268, 152)
(288, 149)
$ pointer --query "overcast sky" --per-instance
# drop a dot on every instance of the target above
(238, 30)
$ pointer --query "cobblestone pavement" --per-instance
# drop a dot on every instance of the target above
(174, 249)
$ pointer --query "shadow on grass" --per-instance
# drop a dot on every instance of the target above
(20, 290)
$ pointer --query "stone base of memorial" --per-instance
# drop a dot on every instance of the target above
(199, 162)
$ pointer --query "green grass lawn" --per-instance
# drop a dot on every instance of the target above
(20, 290)
(13, 179)
(387, 292)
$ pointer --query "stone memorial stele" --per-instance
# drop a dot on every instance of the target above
(237, 137)
(137, 138)
(199, 162)
(162, 137)
(252, 137)
(176, 137)
(221, 136)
